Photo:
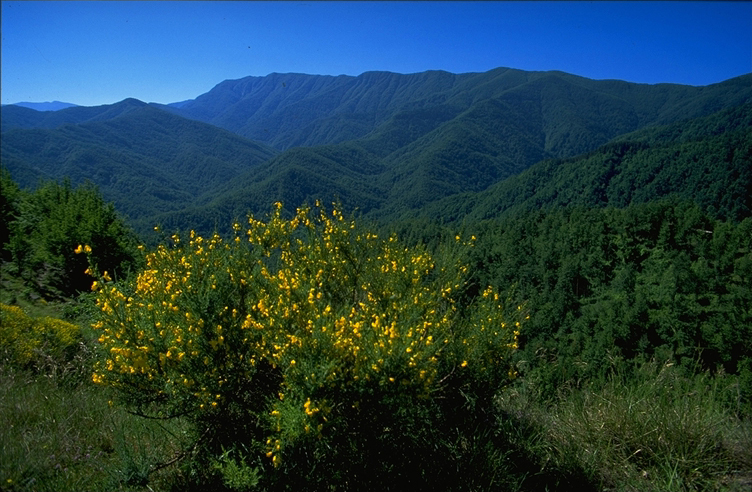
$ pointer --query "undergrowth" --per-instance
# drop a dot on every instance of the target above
(654, 430)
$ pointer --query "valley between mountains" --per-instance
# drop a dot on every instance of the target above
(395, 146)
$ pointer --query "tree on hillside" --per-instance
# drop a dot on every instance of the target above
(9, 198)
(46, 226)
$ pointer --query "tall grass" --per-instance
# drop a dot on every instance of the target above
(60, 437)
(652, 428)
(58, 430)
(657, 429)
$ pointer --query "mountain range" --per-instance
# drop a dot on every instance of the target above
(146, 160)
(45, 106)
(432, 144)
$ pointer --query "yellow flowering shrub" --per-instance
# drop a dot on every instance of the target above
(26, 341)
(286, 332)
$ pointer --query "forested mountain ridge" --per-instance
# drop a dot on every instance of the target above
(144, 159)
(389, 145)
(473, 130)
(707, 160)
(14, 116)
(463, 170)
(290, 110)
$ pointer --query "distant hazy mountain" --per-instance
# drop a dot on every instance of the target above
(179, 104)
(19, 117)
(46, 106)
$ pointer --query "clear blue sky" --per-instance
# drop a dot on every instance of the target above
(92, 53)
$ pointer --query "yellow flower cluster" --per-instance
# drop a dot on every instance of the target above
(325, 304)
(82, 249)
(24, 338)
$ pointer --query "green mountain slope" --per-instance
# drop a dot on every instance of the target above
(390, 145)
(21, 117)
(707, 160)
(574, 114)
(289, 110)
(428, 151)
(146, 160)
(343, 173)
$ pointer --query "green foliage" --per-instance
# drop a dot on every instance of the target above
(47, 344)
(9, 212)
(67, 218)
(60, 434)
(660, 278)
(146, 160)
(48, 225)
(235, 472)
(310, 338)
(651, 429)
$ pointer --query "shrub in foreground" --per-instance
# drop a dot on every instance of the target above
(36, 343)
(305, 341)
